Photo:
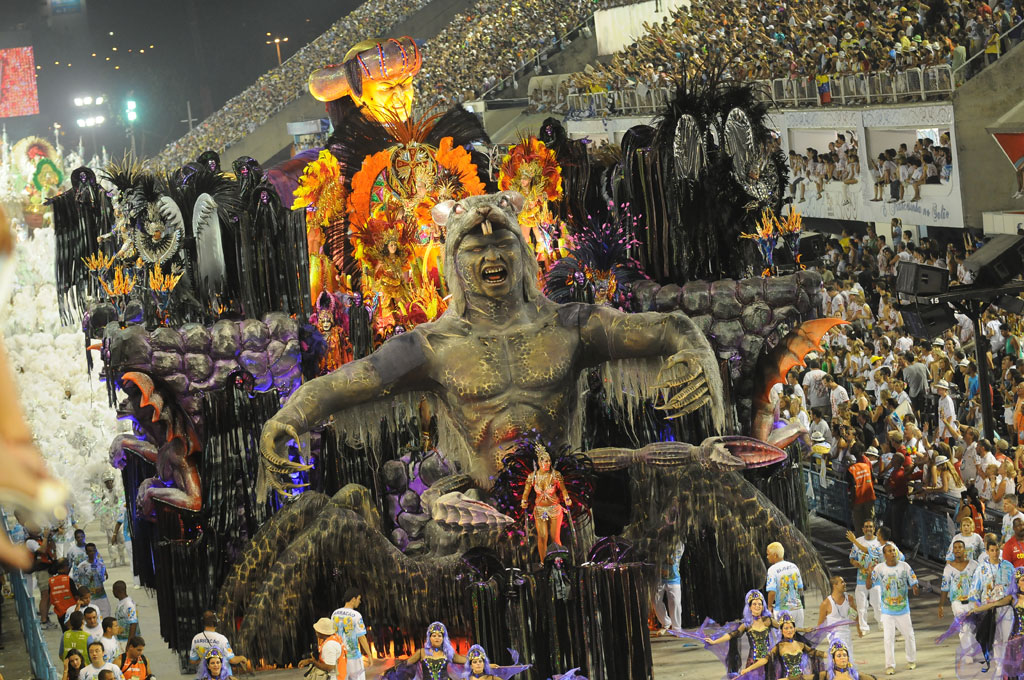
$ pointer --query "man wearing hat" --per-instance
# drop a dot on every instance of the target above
(946, 413)
(331, 648)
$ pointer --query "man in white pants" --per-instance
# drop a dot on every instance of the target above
(862, 560)
(991, 583)
(670, 588)
(352, 630)
(783, 585)
(956, 587)
(896, 579)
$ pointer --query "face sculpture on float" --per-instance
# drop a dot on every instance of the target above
(504, 360)
(377, 76)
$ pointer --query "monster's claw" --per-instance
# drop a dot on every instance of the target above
(669, 379)
(747, 451)
(690, 408)
(691, 393)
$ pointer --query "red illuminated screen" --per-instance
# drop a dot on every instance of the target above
(18, 96)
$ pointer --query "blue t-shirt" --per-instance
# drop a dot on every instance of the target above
(785, 581)
(867, 561)
(350, 627)
(972, 387)
(670, 570)
(991, 581)
(957, 583)
(896, 583)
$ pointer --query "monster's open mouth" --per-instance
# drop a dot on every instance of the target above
(495, 273)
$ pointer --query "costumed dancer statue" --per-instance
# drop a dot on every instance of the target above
(758, 626)
(328, 319)
(547, 511)
(478, 667)
(430, 662)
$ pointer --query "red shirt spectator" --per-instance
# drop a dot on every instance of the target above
(1013, 552)
(900, 478)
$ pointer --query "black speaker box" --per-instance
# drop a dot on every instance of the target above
(998, 261)
(920, 279)
(927, 321)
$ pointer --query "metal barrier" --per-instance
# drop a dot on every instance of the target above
(28, 616)
(915, 84)
(928, 527)
(618, 103)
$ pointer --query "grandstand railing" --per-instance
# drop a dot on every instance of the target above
(916, 84)
(28, 618)
(619, 102)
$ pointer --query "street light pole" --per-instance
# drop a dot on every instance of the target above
(190, 119)
(276, 42)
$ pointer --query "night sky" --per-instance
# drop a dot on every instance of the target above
(205, 51)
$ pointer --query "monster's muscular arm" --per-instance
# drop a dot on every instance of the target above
(400, 365)
(690, 370)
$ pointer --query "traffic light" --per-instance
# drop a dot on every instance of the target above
(130, 113)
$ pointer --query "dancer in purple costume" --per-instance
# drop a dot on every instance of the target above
(478, 667)
(840, 665)
(430, 662)
(756, 624)
(790, 658)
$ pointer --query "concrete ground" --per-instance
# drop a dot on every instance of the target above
(673, 658)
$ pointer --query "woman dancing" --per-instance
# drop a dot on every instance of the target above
(793, 659)
(756, 630)
(840, 667)
(547, 513)
(430, 662)
(478, 667)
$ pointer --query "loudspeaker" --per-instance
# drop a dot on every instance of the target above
(1011, 304)
(812, 246)
(927, 321)
(998, 261)
(920, 279)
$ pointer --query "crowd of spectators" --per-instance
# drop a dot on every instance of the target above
(479, 50)
(764, 40)
(476, 51)
(277, 88)
(909, 406)
(894, 172)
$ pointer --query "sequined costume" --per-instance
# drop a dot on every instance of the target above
(477, 655)
(794, 664)
(434, 669)
(758, 642)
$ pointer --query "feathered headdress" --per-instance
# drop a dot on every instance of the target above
(599, 266)
(531, 168)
